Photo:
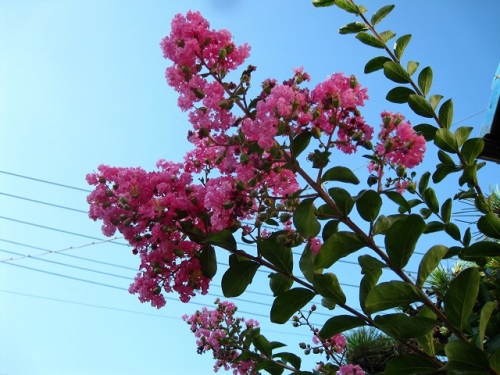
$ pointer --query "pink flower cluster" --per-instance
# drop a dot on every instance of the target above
(224, 334)
(350, 370)
(337, 342)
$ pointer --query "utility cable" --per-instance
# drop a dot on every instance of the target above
(45, 181)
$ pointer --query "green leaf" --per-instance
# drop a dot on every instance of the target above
(339, 245)
(420, 106)
(306, 264)
(369, 263)
(328, 303)
(461, 297)
(279, 283)
(426, 130)
(396, 73)
(424, 181)
(380, 14)
(399, 94)
(465, 358)
(412, 67)
(398, 199)
(323, 3)
(339, 173)
(471, 149)
(375, 64)
(446, 114)
(327, 285)
(494, 360)
(442, 171)
(271, 367)
(340, 324)
(469, 176)
(425, 80)
(402, 327)
(263, 345)
(453, 231)
(434, 100)
(304, 219)
(276, 253)
(426, 341)
(481, 249)
(389, 295)
(485, 315)
(446, 141)
(367, 283)
(400, 45)
(369, 40)
(430, 200)
(288, 303)
(353, 27)
(429, 262)
(238, 276)
(402, 237)
(291, 358)
(386, 35)
(445, 158)
(410, 364)
(383, 224)
(223, 239)
(300, 143)
(342, 199)
(368, 205)
(446, 210)
(208, 261)
(348, 6)
(462, 134)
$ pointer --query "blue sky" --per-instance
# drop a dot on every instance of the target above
(82, 83)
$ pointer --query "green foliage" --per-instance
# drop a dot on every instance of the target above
(288, 303)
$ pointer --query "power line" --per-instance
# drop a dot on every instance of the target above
(46, 182)
(45, 203)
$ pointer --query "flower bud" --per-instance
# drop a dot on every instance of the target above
(400, 171)
(199, 93)
(386, 120)
(411, 187)
(353, 82)
(203, 132)
(285, 216)
(156, 290)
(228, 205)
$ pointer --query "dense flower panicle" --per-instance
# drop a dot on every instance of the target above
(350, 370)
(221, 332)
(336, 342)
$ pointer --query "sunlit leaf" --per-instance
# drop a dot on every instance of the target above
(396, 73)
(399, 94)
(369, 40)
(380, 14)
(400, 45)
(446, 141)
(425, 80)
(446, 114)
(471, 149)
(420, 106)
(375, 64)
(353, 27)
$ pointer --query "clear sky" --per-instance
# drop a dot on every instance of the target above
(82, 83)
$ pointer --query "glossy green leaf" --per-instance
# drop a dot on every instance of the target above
(328, 286)
(400, 45)
(434, 100)
(481, 249)
(461, 297)
(290, 358)
(380, 14)
(386, 35)
(445, 158)
(279, 283)
(446, 210)
(453, 231)
(465, 359)
(339, 245)
(410, 364)
(442, 171)
(411, 203)
(326, 212)
(398, 199)
(323, 3)
(485, 315)
(353, 27)
(369, 263)
(399, 94)
(446, 141)
(263, 345)
(306, 264)
(469, 176)
(339, 173)
(369, 40)
(462, 133)
(412, 67)
(420, 106)
(389, 295)
(401, 239)
(429, 262)
(208, 261)
(403, 327)
(383, 224)
(367, 283)
(424, 182)
(340, 324)
(375, 64)
(396, 73)
(223, 239)
(328, 303)
(329, 229)
(288, 303)
(426, 130)
(276, 253)
(425, 80)
(304, 219)
(430, 200)
(300, 143)
(471, 149)
(348, 6)
(368, 205)
(342, 199)
(237, 278)
(446, 114)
